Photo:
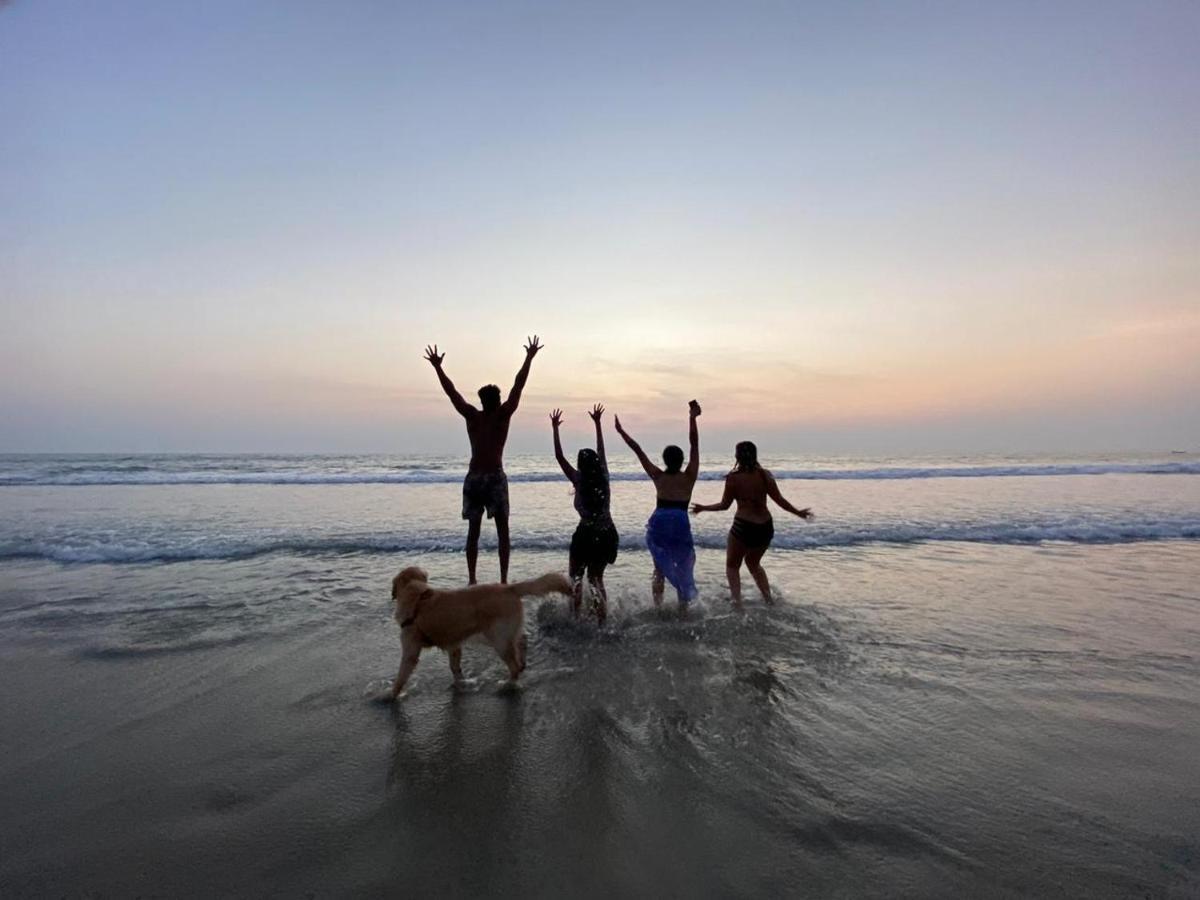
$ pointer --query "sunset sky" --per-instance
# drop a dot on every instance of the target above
(843, 227)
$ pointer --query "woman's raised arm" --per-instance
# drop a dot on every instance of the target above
(596, 413)
(693, 466)
(568, 470)
(651, 469)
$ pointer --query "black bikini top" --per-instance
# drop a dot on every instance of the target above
(672, 504)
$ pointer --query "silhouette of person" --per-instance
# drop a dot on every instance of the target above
(486, 486)
(753, 528)
(594, 544)
(668, 531)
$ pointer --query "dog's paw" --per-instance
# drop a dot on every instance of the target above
(379, 691)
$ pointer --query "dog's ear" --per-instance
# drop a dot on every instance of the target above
(412, 573)
(408, 601)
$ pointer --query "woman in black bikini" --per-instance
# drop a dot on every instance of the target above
(750, 485)
(594, 544)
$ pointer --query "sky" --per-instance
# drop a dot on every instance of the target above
(843, 227)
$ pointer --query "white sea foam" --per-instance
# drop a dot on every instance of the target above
(86, 548)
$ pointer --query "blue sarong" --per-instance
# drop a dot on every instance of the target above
(669, 539)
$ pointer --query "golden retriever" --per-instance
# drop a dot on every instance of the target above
(430, 617)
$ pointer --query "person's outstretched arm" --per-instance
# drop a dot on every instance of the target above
(596, 413)
(693, 466)
(651, 469)
(726, 501)
(774, 494)
(514, 396)
(464, 408)
(568, 470)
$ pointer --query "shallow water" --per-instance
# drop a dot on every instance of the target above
(933, 717)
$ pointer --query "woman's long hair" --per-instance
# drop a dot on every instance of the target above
(593, 480)
(745, 454)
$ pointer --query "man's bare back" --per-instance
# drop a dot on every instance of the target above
(487, 428)
(488, 433)
(485, 488)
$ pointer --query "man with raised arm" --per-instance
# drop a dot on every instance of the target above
(486, 486)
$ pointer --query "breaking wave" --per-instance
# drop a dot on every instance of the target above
(194, 548)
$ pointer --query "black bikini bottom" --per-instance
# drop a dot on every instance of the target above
(594, 545)
(754, 535)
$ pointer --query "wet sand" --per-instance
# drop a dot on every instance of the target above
(955, 721)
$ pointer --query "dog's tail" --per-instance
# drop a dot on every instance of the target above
(551, 582)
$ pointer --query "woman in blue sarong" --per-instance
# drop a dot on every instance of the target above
(668, 532)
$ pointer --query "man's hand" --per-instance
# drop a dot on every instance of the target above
(805, 513)
(435, 358)
(617, 425)
(693, 408)
(556, 418)
(597, 412)
(532, 346)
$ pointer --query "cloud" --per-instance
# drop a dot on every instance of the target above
(1171, 323)
(707, 365)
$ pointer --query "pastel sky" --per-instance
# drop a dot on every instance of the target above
(844, 227)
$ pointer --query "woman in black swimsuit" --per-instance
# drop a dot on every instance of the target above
(753, 528)
(594, 544)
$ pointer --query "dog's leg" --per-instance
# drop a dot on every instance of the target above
(455, 654)
(503, 636)
(521, 644)
(512, 660)
(407, 663)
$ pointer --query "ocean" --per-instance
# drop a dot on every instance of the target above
(982, 679)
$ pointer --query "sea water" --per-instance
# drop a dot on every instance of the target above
(982, 676)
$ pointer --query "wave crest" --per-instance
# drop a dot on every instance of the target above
(808, 538)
